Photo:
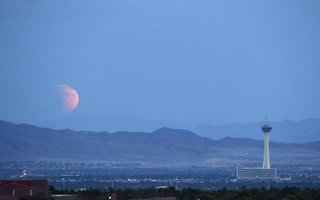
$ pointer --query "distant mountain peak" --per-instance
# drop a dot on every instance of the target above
(166, 130)
(227, 138)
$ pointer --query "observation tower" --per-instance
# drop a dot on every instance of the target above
(266, 128)
(264, 173)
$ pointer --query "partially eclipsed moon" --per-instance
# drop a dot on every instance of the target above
(70, 97)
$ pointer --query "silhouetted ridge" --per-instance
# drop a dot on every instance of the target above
(168, 131)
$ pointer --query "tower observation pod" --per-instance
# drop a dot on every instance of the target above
(266, 128)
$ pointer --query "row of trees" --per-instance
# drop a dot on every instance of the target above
(287, 193)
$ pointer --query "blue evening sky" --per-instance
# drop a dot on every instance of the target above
(188, 61)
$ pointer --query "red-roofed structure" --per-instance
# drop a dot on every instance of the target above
(23, 188)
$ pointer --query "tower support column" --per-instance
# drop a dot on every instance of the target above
(266, 155)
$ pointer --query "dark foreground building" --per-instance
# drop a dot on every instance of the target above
(27, 189)
(112, 194)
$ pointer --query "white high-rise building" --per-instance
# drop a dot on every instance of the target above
(266, 128)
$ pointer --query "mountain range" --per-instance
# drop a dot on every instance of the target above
(163, 147)
(283, 131)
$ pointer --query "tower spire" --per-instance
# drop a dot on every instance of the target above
(266, 119)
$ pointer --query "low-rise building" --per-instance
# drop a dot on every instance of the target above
(256, 174)
(23, 188)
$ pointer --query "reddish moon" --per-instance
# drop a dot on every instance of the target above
(70, 97)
